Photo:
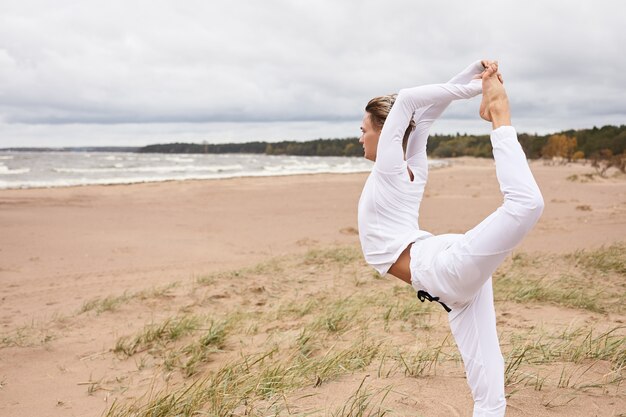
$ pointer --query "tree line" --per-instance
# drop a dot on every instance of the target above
(605, 143)
(318, 147)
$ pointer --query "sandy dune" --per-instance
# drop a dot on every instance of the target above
(62, 248)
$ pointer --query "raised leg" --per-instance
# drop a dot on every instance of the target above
(470, 261)
(466, 264)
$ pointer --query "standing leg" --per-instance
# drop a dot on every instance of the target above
(474, 329)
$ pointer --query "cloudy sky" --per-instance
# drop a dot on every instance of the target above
(138, 72)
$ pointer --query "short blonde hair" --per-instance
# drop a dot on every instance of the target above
(379, 108)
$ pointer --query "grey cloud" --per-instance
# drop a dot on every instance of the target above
(120, 62)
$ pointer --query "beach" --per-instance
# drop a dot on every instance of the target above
(85, 268)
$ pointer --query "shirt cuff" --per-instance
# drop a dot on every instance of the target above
(503, 132)
(477, 85)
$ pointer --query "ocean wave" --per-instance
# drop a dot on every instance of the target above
(70, 182)
(6, 157)
(72, 169)
(179, 159)
(4, 170)
(119, 168)
(299, 167)
(123, 158)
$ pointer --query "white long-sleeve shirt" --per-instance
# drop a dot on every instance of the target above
(389, 204)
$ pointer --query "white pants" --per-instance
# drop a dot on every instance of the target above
(457, 269)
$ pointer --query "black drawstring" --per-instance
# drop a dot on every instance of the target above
(423, 296)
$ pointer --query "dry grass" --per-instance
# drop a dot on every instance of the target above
(323, 316)
(305, 343)
(588, 280)
(114, 302)
(29, 335)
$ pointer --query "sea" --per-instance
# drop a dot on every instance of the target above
(25, 169)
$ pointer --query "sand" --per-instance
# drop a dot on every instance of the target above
(62, 247)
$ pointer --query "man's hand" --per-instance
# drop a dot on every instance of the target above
(486, 63)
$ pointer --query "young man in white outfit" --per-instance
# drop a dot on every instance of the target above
(452, 269)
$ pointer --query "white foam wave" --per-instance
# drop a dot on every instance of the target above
(155, 169)
(4, 170)
(240, 166)
(69, 182)
(306, 167)
(6, 157)
(179, 159)
(117, 158)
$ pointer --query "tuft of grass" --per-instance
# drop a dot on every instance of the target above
(157, 292)
(162, 333)
(513, 373)
(114, 302)
(522, 260)
(580, 344)
(273, 266)
(251, 379)
(412, 309)
(298, 309)
(360, 403)
(344, 314)
(587, 177)
(337, 362)
(604, 260)
(425, 361)
(336, 318)
(541, 291)
(215, 335)
(574, 345)
(209, 338)
(26, 336)
(340, 255)
(109, 303)
(535, 354)
(588, 280)
(305, 343)
(210, 279)
(198, 352)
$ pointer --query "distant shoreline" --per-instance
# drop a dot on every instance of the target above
(584, 143)
(22, 170)
(127, 169)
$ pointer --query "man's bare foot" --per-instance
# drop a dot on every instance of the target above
(494, 106)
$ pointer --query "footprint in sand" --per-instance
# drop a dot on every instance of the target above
(349, 231)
